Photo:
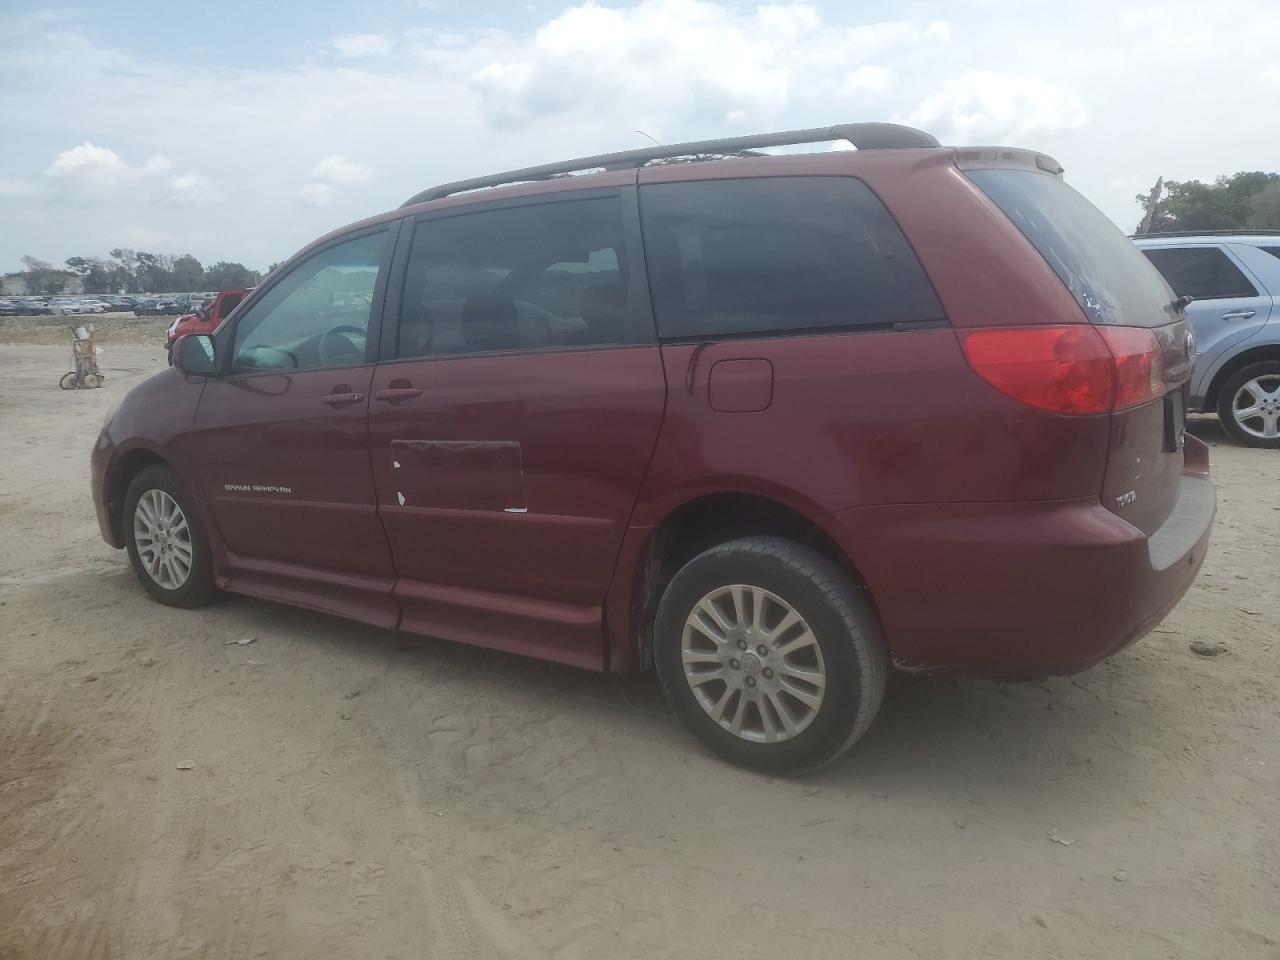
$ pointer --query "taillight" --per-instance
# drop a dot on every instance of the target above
(1076, 369)
(1139, 365)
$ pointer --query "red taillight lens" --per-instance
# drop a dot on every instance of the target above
(1076, 369)
(1139, 365)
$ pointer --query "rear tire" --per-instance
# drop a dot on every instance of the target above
(1255, 390)
(770, 655)
(167, 543)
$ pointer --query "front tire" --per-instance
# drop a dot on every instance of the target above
(167, 543)
(1249, 405)
(770, 654)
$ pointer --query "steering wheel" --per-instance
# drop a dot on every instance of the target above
(333, 347)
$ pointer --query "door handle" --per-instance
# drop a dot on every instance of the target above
(337, 400)
(1238, 314)
(394, 394)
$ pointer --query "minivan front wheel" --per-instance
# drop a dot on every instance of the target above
(1249, 404)
(770, 654)
(166, 541)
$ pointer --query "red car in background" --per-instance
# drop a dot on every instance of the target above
(770, 424)
(206, 319)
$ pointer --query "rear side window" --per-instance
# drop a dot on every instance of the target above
(532, 277)
(1205, 273)
(777, 254)
(1274, 251)
(1106, 273)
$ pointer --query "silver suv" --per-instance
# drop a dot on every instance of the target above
(1234, 280)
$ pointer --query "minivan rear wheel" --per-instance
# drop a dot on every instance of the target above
(770, 654)
(166, 541)
(1249, 405)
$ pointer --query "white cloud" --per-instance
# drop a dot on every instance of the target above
(336, 168)
(189, 190)
(867, 79)
(671, 62)
(316, 195)
(14, 188)
(355, 45)
(89, 163)
(983, 105)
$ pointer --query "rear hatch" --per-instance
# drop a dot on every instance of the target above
(1133, 308)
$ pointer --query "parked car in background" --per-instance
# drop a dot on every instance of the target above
(67, 306)
(207, 316)
(768, 423)
(1234, 281)
(9, 309)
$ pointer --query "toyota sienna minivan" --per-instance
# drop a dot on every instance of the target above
(771, 425)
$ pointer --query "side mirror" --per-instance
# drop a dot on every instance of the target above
(193, 354)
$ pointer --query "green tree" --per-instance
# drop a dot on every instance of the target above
(42, 276)
(97, 274)
(188, 274)
(1264, 208)
(1225, 204)
(224, 275)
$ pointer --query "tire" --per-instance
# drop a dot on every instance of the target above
(161, 486)
(838, 636)
(68, 381)
(1235, 397)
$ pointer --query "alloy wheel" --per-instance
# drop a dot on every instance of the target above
(163, 539)
(1256, 406)
(753, 664)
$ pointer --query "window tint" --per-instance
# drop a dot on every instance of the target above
(317, 315)
(1098, 263)
(542, 276)
(1205, 273)
(776, 254)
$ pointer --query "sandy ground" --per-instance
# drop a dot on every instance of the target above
(358, 794)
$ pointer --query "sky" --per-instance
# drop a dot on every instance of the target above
(241, 130)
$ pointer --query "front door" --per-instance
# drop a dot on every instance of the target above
(283, 438)
(1227, 308)
(512, 422)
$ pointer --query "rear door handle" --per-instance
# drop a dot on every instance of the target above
(1238, 314)
(336, 400)
(392, 394)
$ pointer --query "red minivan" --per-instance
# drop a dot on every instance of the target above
(768, 424)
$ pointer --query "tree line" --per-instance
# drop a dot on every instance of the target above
(1243, 201)
(135, 271)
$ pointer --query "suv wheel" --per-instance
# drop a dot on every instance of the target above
(166, 540)
(1249, 405)
(770, 654)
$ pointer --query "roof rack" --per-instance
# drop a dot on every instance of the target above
(1242, 232)
(864, 136)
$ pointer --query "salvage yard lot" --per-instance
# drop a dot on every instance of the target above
(332, 790)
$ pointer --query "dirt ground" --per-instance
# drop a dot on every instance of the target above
(353, 793)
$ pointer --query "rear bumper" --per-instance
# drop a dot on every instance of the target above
(1017, 589)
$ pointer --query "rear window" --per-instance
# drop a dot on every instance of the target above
(1205, 273)
(1109, 277)
(778, 254)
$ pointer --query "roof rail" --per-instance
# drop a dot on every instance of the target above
(1242, 232)
(864, 136)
